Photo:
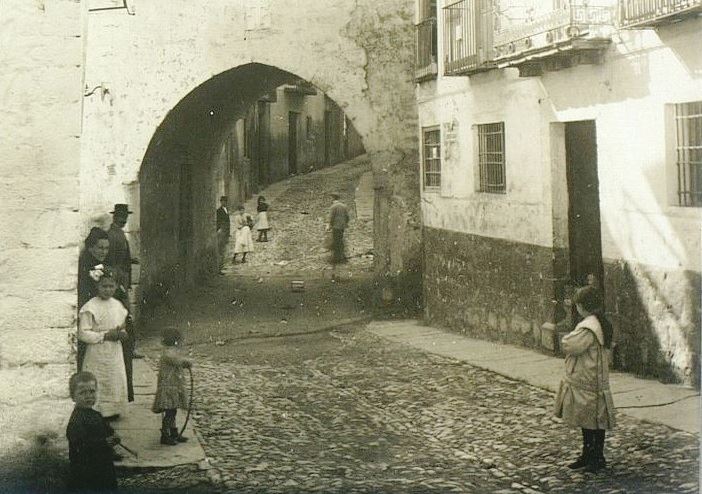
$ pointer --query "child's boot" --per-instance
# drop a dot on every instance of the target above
(584, 459)
(166, 438)
(597, 461)
(178, 437)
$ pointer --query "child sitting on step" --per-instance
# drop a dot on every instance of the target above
(170, 389)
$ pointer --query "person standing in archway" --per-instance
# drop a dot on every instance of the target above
(338, 222)
(223, 231)
(119, 258)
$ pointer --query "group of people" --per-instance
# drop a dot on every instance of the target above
(243, 224)
(102, 385)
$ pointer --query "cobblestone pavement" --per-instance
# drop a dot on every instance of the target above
(298, 217)
(342, 411)
(346, 412)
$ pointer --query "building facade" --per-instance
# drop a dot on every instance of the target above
(562, 141)
(294, 129)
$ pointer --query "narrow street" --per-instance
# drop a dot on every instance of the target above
(293, 395)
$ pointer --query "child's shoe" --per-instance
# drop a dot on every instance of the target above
(166, 438)
(581, 462)
(178, 437)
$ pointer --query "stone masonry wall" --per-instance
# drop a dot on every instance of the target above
(485, 287)
(656, 315)
(41, 55)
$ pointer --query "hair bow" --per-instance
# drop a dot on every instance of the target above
(97, 272)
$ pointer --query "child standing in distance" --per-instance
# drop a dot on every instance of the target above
(101, 325)
(584, 399)
(262, 224)
(243, 241)
(170, 388)
(89, 442)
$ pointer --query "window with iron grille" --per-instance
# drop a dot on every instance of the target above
(491, 157)
(688, 150)
(431, 154)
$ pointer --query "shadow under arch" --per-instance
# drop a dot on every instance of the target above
(178, 178)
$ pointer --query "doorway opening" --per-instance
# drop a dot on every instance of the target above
(293, 121)
(584, 229)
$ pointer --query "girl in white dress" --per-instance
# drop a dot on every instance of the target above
(101, 325)
(243, 241)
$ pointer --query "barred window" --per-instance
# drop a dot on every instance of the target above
(491, 157)
(688, 147)
(431, 145)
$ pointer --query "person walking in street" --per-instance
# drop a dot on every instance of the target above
(170, 388)
(101, 326)
(223, 230)
(243, 241)
(584, 399)
(262, 224)
(338, 222)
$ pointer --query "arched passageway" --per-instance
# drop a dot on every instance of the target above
(183, 172)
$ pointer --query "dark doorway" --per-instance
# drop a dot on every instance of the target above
(263, 154)
(293, 119)
(584, 232)
(328, 130)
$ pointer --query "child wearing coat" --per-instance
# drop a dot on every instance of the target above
(89, 440)
(584, 399)
(170, 388)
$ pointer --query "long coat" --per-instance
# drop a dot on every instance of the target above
(584, 399)
(119, 256)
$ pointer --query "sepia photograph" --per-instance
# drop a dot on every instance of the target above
(350, 246)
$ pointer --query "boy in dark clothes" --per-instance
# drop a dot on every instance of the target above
(89, 447)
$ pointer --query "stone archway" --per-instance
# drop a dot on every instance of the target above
(177, 180)
(166, 66)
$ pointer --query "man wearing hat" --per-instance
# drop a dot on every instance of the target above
(120, 259)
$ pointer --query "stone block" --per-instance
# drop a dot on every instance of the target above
(41, 229)
(38, 310)
(39, 346)
(54, 193)
(24, 385)
(33, 271)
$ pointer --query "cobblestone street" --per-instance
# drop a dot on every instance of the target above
(345, 412)
(293, 395)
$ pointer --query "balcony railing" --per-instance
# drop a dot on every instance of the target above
(468, 32)
(576, 25)
(646, 13)
(426, 66)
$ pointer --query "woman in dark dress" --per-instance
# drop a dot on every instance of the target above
(97, 245)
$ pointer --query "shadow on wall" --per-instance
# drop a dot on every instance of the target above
(657, 321)
(678, 37)
(656, 311)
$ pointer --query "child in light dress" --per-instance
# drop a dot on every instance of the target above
(243, 241)
(101, 326)
(170, 388)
